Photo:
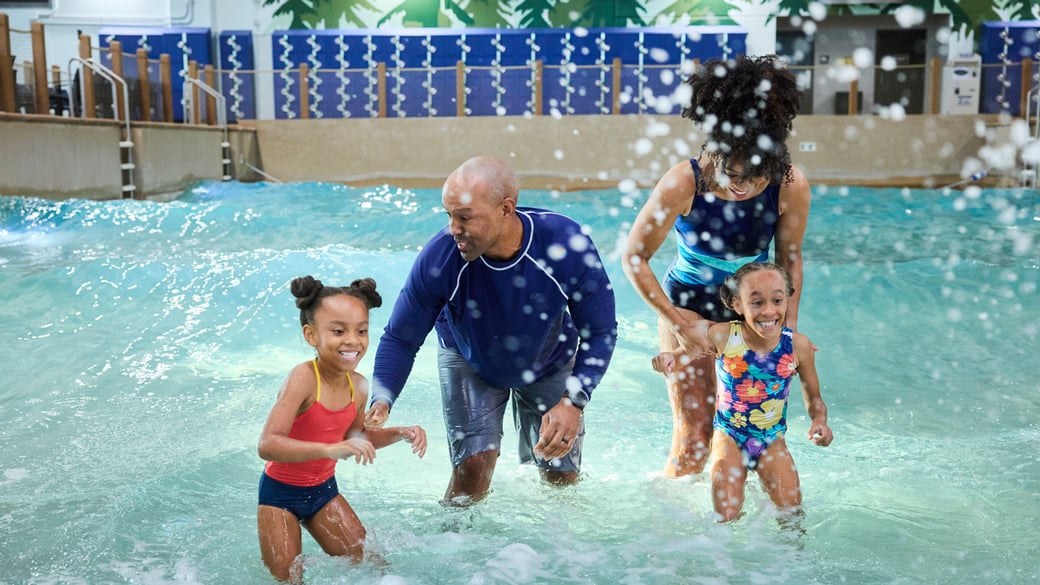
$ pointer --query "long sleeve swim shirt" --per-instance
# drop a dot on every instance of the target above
(514, 322)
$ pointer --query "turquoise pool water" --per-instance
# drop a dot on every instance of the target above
(143, 344)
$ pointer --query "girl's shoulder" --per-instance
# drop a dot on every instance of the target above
(360, 386)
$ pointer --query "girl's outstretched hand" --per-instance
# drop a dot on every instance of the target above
(664, 362)
(359, 448)
(820, 434)
(417, 437)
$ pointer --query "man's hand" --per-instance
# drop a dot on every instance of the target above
(376, 416)
(560, 428)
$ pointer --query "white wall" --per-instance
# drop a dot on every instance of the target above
(67, 16)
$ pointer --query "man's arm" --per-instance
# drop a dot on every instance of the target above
(414, 314)
(593, 310)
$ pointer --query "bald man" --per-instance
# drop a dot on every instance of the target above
(524, 312)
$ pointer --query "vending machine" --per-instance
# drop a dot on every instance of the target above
(961, 82)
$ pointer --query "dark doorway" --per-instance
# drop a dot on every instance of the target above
(796, 49)
(906, 83)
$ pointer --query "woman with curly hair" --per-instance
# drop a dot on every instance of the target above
(726, 206)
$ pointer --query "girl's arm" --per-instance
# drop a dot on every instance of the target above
(381, 437)
(819, 432)
(295, 396)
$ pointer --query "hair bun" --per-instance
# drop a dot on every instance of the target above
(305, 289)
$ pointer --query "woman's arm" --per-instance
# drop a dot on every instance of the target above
(795, 200)
(672, 197)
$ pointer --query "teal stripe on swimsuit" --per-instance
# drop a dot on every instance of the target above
(707, 269)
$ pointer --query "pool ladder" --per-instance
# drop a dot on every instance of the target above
(126, 143)
(221, 101)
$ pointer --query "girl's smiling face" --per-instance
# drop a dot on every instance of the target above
(340, 331)
(762, 302)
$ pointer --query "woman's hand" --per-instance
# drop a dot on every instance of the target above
(692, 337)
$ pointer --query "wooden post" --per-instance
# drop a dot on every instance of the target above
(193, 73)
(39, 51)
(166, 83)
(211, 102)
(615, 99)
(381, 84)
(6, 66)
(305, 94)
(853, 97)
(936, 84)
(115, 51)
(539, 76)
(1026, 85)
(86, 75)
(144, 84)
(460, 89)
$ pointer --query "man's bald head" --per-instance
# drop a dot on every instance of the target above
(486, 175)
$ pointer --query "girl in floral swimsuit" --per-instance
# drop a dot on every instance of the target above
(756, 361)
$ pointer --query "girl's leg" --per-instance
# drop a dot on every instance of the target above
(728, 476)
(280, 542)
(338, 530)
(779, 477)
(691, 391)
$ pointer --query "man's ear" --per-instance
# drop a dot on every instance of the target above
(508, 206)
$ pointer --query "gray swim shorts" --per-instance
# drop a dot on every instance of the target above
(474, 411)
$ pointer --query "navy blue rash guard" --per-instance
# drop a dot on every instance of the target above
(514, 322)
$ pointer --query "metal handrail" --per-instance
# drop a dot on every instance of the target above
(189, 102)
(109, 76)
(117, 84)
(189, 114)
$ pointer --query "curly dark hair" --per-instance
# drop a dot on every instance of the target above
(309, 293)
(746, 106)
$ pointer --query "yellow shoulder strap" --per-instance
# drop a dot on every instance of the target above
(317, 376)
(350, 380)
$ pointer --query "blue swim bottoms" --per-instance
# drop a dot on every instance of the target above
(703, 300)
(302, 501)
(474, 411)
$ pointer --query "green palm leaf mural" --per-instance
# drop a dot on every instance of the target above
(333, 13)
(297, 9)
(490, 13)
(426, 13)
(534, 13)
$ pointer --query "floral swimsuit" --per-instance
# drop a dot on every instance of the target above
(751, 395)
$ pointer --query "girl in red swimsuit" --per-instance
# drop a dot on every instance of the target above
(315, 422)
